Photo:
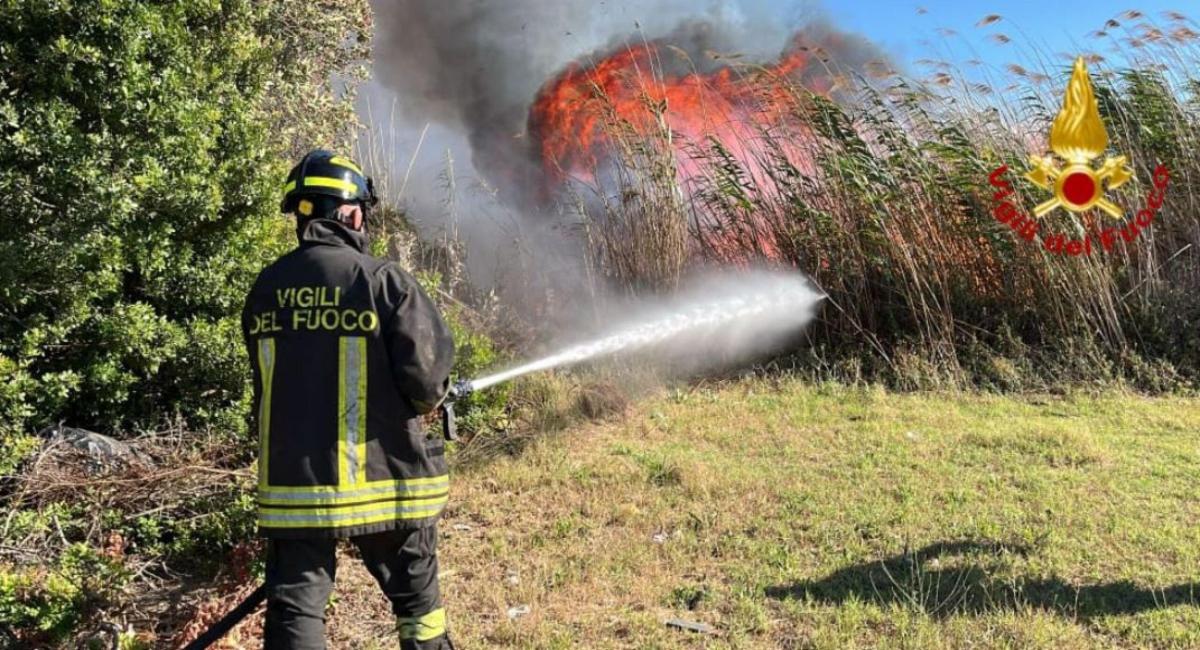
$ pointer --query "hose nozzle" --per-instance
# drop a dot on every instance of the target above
(460, 390)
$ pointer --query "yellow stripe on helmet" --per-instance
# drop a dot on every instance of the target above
(347, 163)
(336, 183)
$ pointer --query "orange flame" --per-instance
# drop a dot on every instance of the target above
(1078, 135)
(573, 115)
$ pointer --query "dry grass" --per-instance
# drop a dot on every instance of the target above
(833, 518)
(786, 514)
(127, 543)
(173, 474)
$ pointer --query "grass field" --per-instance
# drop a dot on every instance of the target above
(797, 516)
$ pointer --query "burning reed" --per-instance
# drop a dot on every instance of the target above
(882, 194)
(672, 156)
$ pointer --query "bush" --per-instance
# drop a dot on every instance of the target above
(474, 353)
(48, 603)
(141, 147)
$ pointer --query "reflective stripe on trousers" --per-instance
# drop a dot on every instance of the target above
(423, 628)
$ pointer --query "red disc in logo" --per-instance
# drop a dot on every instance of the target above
(1079, 188)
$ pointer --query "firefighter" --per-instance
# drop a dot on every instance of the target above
(348, 353)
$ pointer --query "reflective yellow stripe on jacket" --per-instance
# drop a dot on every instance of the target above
(266, 371)
(324, 506)
(352, 410)
(328, 495)
(354, 501)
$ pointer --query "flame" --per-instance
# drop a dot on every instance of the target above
(573, 119)
(1078, 135)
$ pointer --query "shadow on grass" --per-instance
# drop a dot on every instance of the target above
(970, 577)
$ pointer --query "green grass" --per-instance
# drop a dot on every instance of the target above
(828, 517)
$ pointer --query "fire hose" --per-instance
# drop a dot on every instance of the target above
(459, 390)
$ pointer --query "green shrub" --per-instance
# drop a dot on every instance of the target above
(141, 148)
(474, 353)
(194, 541)
(48, 603)
(229, 518)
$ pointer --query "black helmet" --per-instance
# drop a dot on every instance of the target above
(323, 174)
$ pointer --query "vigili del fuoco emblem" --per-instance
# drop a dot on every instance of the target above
(1078, 138)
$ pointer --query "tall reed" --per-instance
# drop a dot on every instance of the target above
(882, 197)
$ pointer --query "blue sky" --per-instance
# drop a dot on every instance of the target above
(1050, 25)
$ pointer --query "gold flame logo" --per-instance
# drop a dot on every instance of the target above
(1078, 137)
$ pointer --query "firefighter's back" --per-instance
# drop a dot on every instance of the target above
(343, 451)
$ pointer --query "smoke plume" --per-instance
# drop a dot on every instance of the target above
(475, 66)
(472, 69)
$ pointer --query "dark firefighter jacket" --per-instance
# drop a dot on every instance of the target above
(347, 352)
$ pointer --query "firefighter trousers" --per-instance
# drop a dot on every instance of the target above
(300, 575)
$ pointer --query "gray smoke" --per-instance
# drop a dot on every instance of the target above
(475, 65)
(465, 72)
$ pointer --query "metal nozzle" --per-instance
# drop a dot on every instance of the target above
(461, 389)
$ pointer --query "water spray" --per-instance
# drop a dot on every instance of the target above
(730, 315)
